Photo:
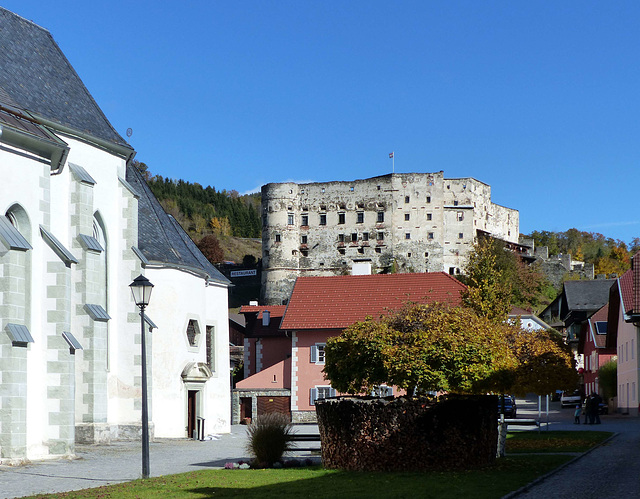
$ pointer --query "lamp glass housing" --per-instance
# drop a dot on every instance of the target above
(141, 290)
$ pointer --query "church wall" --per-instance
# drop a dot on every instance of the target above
(179, 297)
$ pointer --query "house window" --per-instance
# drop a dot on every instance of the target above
(278, 238)
(460, 216)
(407, 235)
(430, 235)
(193, 333)
(360, 217)
(317, 353)
(320, 392)
(407, 217)
(303, 239)
(211, 347)
(305, 220)
(380, 216)
(340, 238)
(460, 235)
(341, 218)
(365, 236)
(354, 237)
(323, 219)
(290, 219)
(428, 199)
(407, 199)
(429, 216)
(380, 236)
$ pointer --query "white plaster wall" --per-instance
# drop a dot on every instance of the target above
(178, 297)
(628, 367)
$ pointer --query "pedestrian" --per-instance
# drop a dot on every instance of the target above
(576, 415)
(597, 400)
(589, 409)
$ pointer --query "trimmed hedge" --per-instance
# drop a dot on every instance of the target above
(372, 434)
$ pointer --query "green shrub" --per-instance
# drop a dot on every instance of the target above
(270, 437)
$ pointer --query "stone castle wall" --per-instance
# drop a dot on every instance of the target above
(419, 222)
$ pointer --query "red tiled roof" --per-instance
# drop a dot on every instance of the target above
(626, 287)
(274, 310)
(335, 302)
(519, 311)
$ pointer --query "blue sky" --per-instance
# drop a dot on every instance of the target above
(537, 99)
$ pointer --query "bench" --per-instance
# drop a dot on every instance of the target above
(305, 437)
(523, 422)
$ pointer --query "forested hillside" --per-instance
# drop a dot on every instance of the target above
(607, 255)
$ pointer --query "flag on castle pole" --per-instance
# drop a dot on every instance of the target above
(393, 160)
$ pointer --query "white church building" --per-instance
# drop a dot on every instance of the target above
(77, 225)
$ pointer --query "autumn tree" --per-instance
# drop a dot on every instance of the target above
(438, 347)
(420, 348)
(210, 248)
(489, 289)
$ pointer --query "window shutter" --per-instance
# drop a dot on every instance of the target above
(314, 353)
(313, 396)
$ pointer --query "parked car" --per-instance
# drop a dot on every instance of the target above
(570, 399)
(555, 396)
(510, 408)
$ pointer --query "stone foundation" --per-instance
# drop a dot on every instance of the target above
(103, 433)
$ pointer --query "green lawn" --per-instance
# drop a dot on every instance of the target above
(554, 441)
(506, 475)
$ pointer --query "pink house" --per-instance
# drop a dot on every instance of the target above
(593, 345)
(321, 307)
(624, 336)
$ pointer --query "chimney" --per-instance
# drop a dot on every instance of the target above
(266, 316)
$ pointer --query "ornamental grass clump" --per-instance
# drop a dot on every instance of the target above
(270, 436)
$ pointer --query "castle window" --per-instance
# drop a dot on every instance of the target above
(380, 216)
(407, 217)
(460, 235)
(290, 219)
(378, 187)
(360, 217)
(407, 235)
(380, 236)
(408, 255)
(430, 235)
(341, 251)
(460, 216)
(361, 251)
(365, 236)
(428, 199)
(323, 189)
(407, 199)
(429, 216)
(305, 220)
(304, 252)
(354, 237)
(455, 203)
(340, 238)
(426, 254)
(323, 219)
(452, 270)
(323, 207)
(294, 252)
(341, 218)
(378, 250)
(351, 188)
(278, 238)
(303, 240)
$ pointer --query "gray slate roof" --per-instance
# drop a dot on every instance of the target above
(36, 76)
(161, 239)
(587, 295)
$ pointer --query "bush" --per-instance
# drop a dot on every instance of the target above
(270, 437)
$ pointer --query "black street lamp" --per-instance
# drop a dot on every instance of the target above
(141, 289)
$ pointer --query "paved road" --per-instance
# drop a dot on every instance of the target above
(611, 470)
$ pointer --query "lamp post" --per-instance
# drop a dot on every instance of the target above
(141, 289)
